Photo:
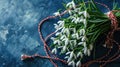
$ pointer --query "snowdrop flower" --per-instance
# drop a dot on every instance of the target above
(63, 29)
(74, 19)
(53, 38)
(78, 64)
(83, 38)
(81, 20)
(82, 31)
(74, 35)
(60, 46)
(85, 23)
(64, 48)
(67, 31)
(71, 63)
(88, 52)
(80, 13)
(75, 42)
(71, 57)
(84, 44)
(85, 50)
(86, 15)
(77, 10)
(54, 51)
(71, 54)
(80, 43)
(91, 46)
(57, 27)
(71, 5)
(66, 57)
(58, 33)
(80, 54)
(74, 30)
(66, 41)
(77, 36)
(68, 53)
(56, 41)
(61, 22)
(63, 37)
(57, 13)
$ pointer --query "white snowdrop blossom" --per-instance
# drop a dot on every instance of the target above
(91, 46)
(54, 51)
(71, 5)
(88, 52)
(59, 26)
(82, 31)
(78, 64)
(85, 50)
(86, 15)
(57, 13)
(80, 43)
(64, 48)
(79, 54)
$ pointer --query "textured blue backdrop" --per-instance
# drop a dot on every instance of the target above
(18, 29)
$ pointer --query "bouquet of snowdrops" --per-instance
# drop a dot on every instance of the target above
(77, 34)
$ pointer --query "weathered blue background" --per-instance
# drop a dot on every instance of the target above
(18, 30)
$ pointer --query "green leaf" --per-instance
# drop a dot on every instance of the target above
(97, 20)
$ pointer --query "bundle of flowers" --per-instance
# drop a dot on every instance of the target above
(76, 34)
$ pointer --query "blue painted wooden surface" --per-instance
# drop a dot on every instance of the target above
(18, 30)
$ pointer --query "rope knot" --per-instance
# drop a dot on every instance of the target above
(114, 26)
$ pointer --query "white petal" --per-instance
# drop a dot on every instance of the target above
(85, 22)
(82, 31)
(83, 38)
(80, 13)
(91, 46)
(79, 53)
(67, 53)
(86, 15)
(75, 42)
(77, 36)
(80, 43)
(71, 54)
(88, 52)
(58, 33)
(57, 13)
(69, 59)
(70, 63)
(66, 42)
(66, 57)
(73, 64)
(64, 48)
(54, 51)
(85, 50)
(84, 44)
(62, 37)
(78, 64)
(60, 46)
